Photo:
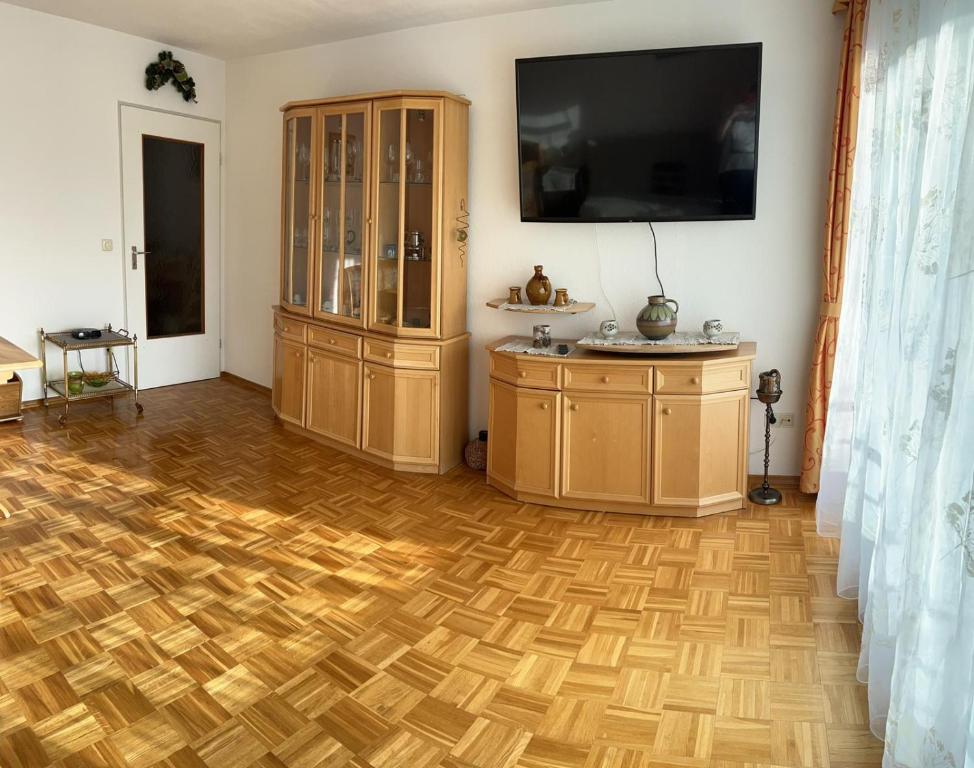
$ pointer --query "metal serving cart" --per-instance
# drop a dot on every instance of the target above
(114, 385)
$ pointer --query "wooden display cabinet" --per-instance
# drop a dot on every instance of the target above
(373, 276)
(664, 435)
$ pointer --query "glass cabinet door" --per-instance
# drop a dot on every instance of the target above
(297, 211)
(388, 228)
(343, 210)
(405, 242)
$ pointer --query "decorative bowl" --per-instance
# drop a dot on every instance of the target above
(97, 380)
(712, 328)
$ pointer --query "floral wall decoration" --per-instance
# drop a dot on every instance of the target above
(169, 70)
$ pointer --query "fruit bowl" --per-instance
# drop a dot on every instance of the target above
(97, 380)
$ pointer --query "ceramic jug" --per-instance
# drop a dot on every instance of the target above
(657, 320)
(538, 288)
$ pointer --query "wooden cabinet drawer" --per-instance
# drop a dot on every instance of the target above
(290, 329)
(336, 341)
(702, 380)
(525, 373)
(399, 355)
(594, 378)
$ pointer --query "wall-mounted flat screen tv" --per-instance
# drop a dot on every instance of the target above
(663, 135)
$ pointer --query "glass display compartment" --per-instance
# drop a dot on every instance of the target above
(343, 212)
(405, 212)
(297, 224)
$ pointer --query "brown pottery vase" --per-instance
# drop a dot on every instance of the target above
(538, 288)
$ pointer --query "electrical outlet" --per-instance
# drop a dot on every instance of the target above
(107, 244)
(785, 419)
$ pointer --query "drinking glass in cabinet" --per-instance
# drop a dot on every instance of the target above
(334, 155)
(392, 163)
(352, 171)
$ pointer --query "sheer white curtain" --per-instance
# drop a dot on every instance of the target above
(898, 462)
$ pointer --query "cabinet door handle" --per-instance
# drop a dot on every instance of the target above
(522, 374)
(574, 406)
(331, 341)
(544, 406)
(371, 376)
(667, 411)
(388, 354)
(605, 379)
(695, 380)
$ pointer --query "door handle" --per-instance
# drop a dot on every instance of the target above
(135, 254)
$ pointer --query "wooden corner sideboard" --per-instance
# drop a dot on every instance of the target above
(663, 435)
(370, 341)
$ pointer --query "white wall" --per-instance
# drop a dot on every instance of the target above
(59, 167)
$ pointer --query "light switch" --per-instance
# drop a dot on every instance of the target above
(107, 244)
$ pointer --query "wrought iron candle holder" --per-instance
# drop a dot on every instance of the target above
(769, 393)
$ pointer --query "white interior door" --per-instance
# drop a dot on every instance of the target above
(171, 210)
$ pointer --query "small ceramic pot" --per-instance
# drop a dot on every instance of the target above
(657, 320)
(712, 328)
(608, 329)
(561, 297)
(538, 288)
(514, 294)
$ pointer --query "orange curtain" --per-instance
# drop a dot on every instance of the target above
(836, 238)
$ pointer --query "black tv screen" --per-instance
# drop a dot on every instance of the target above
(664, 135)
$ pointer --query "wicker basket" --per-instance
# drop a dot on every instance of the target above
(10, 399)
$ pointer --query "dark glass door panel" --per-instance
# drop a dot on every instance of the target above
(172, 180)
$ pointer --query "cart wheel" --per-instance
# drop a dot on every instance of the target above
(139, 408)
(61, 419)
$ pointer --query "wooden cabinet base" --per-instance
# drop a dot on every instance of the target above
(338, 445)
(594, 505)
(399, 403)
(621, 434)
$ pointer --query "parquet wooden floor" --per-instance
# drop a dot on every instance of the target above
(201, 588)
